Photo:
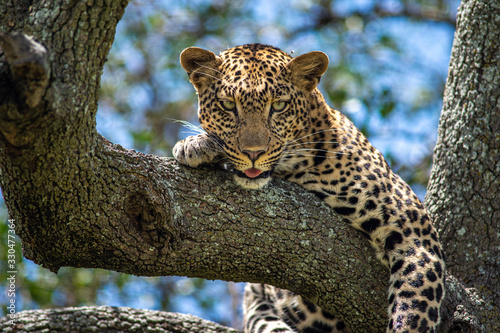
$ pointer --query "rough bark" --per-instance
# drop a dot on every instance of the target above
(464, 191)
(108, 319)
(78, 200)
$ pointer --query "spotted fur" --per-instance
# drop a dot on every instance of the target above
(263, 117)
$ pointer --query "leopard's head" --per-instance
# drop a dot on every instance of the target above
(254, 100)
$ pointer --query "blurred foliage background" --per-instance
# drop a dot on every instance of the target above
(388, 66)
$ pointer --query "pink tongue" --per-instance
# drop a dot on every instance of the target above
(253, 172)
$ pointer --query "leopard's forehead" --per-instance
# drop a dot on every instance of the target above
(253, 66)
(254, 54)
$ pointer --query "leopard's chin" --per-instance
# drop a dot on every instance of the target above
(250, 178)
(241, 178)
(252, 183)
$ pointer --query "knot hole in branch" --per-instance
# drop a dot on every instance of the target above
(147, 213)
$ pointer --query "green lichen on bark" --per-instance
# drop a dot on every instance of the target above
(108, 319)
(81, 201)
(464, 190)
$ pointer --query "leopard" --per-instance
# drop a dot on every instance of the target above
(263, 117)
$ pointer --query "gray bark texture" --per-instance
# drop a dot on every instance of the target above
(81, 201)
(464, 191)
(109, 319)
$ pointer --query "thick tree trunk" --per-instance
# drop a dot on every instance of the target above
(78, 200)
(464, 191)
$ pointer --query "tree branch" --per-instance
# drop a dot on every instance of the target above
(78, 200)
(325, 15)
(107, 319)
(143, 215)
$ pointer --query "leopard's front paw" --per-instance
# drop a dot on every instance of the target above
(195, 150)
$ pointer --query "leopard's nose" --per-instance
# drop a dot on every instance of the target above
(253, 154)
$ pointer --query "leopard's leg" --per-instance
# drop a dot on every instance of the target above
(271, 309)
(197, 150)
(408, 243)
(416, 289)
(402, 234)
(260, 313)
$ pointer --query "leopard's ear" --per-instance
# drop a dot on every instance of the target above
(201, 65)
(307, 69)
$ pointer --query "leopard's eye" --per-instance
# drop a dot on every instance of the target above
(228, 105)
(279, 106)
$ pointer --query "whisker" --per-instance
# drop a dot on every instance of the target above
(310, 134)
(280, 71)
(188, 125)
(210, 68)
(229, 80)
(293, 153)
(311, 142)
(209, 75)
(195, 129)
(219, 144)
(311, 155)
(222, 158)
(309, 149)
